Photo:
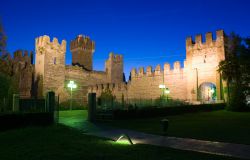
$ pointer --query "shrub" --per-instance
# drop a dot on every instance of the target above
(148, 112)
(106, 100)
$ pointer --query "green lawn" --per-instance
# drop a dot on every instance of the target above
(217, 126)
(59, 143)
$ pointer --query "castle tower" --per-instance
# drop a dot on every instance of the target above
(114, 68)
(202, 64)
(82, 49)
(23, 71)
(50, 63)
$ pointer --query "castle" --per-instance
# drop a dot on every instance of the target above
(198, 80)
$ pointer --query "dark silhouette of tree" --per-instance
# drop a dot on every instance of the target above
(3, 40)
(234, 70)
(5, 64)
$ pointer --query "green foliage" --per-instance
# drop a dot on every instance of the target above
(3, 40)
(4, 85)
(162, 101)
(235, 70)
(106, 100)
(5, 65)
(13, 89)
(165, 101)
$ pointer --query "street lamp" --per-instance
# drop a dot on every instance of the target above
(162, 86)
(71, 85)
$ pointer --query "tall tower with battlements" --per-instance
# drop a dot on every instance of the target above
(50, 63)
(82, 49)
(202, 59)
(114, 68)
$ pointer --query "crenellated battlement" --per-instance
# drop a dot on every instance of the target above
(82, 42)
(115, 57)
(157, 71)
(44, 41)
(99, 88)
(23, 56)
(177, 66)
(209, 41)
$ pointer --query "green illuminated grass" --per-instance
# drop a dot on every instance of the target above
(62, 143)
(217, 126)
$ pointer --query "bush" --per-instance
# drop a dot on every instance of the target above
(162, 101)
(106, 100)
(237, 100)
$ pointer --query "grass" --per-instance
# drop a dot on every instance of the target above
(59, 143)
(216, 126)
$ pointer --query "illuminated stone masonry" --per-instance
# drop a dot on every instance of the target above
(197, 80)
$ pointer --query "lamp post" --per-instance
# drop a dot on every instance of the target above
(162, 87)
(71, 85)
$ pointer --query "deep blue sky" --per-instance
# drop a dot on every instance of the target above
(138, 29)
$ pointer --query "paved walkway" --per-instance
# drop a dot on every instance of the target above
(218, 148)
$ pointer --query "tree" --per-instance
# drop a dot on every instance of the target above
(107, 98)
(9, 82)
(3, 40)
(234, 70)
(5, 63)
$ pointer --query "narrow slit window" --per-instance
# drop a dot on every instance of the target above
(54, 60)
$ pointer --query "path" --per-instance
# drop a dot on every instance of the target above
(218, 148)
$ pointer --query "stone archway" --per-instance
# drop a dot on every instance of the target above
(207, 92)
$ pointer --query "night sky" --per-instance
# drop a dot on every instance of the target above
(145, 32)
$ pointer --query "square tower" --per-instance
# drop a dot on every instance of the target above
(202, 59)
(50, 64)
(82, 49)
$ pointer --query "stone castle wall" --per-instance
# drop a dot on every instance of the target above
(200, 66)
(145, 85)
(83, 79)
(50, 65)
(203, 58)
(119, 90)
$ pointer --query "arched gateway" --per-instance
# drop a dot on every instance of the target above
(207, 92)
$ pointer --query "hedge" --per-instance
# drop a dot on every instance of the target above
(149, 112)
